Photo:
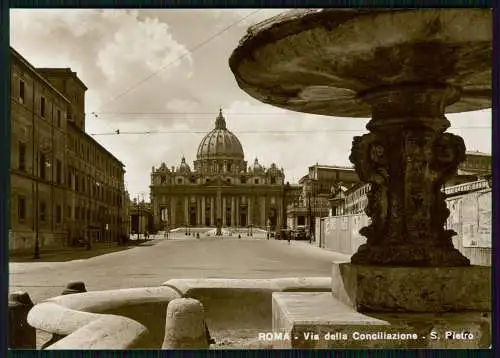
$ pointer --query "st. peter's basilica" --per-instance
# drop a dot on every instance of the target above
(220, 189)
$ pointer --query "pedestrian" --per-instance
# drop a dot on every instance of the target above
(288, 237)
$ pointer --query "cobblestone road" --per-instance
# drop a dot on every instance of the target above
(179, 257)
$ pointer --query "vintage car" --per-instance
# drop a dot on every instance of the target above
(284, 234)
(301, 233)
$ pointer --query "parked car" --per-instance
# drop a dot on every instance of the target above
(283, 234)
(301, 233)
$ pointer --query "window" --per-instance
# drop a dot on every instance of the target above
(22, 156)
(77, 182)
(243, 180)
(58, 214)
(58, 171)
(163, 179)
(59, 118)
(179, 181)
(21, 92)
(256, 181)
(42, 164)
(273, 180)
(21, 208)
(42, 106)
(77, 212)
(43, 211)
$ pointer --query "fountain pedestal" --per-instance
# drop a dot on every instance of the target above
(404, 69)
(389, 307)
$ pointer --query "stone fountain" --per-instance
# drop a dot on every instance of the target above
(404, 68)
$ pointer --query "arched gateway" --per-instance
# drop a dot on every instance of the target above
(220, 188)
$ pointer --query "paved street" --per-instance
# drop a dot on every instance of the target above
(179, 257)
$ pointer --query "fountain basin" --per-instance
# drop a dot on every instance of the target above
(235, 309)
(323, 61)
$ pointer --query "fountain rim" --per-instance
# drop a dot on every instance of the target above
(284, 25)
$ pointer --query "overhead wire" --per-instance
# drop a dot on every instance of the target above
(198, 131)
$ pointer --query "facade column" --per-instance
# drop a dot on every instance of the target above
(233, 211)
(186, 210)
(212, 211)
(223, 211)
(172, 205)
(263, 214)
(198, 211)
(219, 205)
(203, 210)
(249, 219)
(237, 210)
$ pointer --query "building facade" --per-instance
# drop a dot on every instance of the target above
(314, 199)
(220, 190)
(141, 218)
(64, 185)
(477, 163)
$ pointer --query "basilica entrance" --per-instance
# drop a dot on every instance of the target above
(273, 218)
(228, 217)
(192, 216)
(243, 219)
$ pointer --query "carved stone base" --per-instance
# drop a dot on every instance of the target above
(409, 255)
(412, 289)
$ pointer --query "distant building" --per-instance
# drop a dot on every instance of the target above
(476, 163)
(472, 171)
(220, 190)
(141, 217)
(314, 199)
(64, 185)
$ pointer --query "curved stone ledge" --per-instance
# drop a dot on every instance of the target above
(135, 318)
(112, 314)
(103, 301)
(184, 286)
(243, 307)
(106, 332)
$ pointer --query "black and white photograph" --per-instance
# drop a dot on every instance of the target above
(221, 179)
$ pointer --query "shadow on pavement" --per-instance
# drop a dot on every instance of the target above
(77, 253)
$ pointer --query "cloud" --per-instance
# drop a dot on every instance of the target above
(113, 51)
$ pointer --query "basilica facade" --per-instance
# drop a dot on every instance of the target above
(220, 190)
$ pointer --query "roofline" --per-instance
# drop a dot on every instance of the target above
(71, 123)
(33, 70)
(65, 70)
(478, 154)
(321, 166)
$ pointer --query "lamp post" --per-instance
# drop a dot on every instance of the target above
(286, 190)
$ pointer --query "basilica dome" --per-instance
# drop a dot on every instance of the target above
(220, 143)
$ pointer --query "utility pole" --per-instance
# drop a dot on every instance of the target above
(138, 218)
(309, 193)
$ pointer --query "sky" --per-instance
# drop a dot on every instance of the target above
(166, 72)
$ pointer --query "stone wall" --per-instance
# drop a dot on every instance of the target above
(24, 240)
(467, 218)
